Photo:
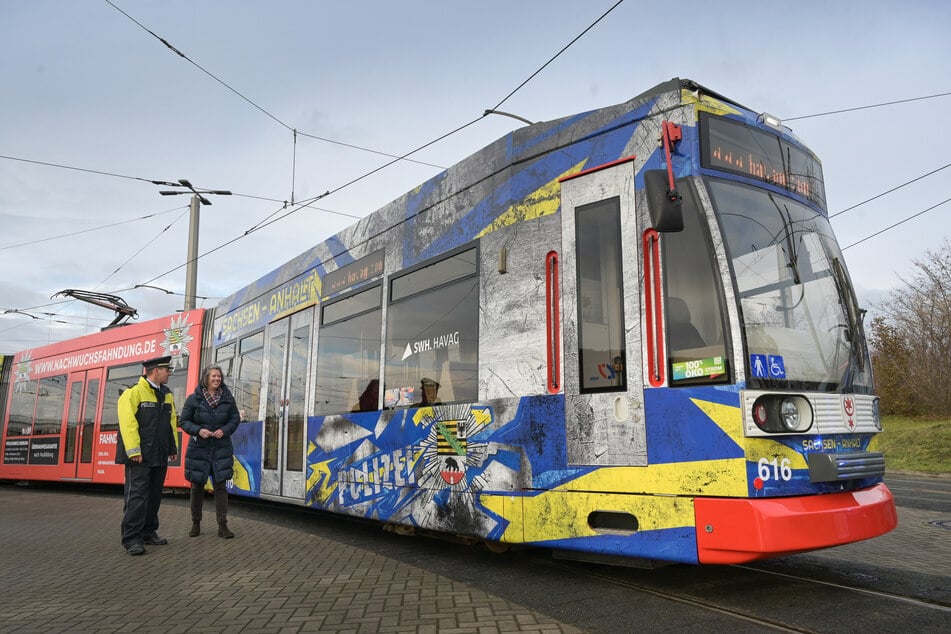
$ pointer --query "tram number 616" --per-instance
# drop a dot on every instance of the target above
(775, 469)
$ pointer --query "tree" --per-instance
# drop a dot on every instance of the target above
(889, 362)
(911, 341)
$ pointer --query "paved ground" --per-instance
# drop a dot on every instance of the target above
(915, 546)
(62, 569)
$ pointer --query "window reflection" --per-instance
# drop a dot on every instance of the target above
(600, 297)
(348, 357)
(433, 334)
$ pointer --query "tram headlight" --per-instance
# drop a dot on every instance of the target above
(795, 413)
(876, 415)
(782, 414)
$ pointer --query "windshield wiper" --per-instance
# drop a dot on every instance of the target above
(792, 258)
(856, 332)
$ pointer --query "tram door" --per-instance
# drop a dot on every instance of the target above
(288, 366)
(601, 280)
(83, 394)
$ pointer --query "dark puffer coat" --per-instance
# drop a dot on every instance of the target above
(209, 456)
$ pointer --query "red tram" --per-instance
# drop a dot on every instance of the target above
(61, 416)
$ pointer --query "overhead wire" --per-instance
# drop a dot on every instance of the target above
(143, 248)
(901, 222)
(369, 150)
(839, 213)
(89, 230)
(248, 100)
(556, 55)
(113, 174)
(273, 217)
(876, 105)
(80, 169)
(270, 219)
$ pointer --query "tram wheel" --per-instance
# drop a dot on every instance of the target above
(497, 548)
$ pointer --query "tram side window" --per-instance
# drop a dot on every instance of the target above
(5, 362)
(602, 346)
(243, 373)
(432, 333)
(118, 380)
(225, 358)
(72, 421)
(348, 354)
(50, 401)
(694, 302)
(22, 407)
(122, 377)
(89, 419)
(178, 383)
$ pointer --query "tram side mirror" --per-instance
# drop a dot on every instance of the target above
(666, 210)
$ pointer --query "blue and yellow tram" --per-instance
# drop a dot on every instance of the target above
(626, 333)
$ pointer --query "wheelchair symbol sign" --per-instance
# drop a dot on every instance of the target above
(768, 366)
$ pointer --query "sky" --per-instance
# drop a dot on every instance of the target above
(94, 106)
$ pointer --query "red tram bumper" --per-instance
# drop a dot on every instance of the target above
(736, 530)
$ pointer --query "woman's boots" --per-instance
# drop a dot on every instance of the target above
(221, 510)
(195, 498)
(223, 530)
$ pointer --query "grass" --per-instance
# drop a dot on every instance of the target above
(912, 444)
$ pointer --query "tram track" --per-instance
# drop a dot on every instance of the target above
(696, 603)
(941, 607)
(740, 593)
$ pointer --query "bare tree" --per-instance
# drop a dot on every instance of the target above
(912, 340)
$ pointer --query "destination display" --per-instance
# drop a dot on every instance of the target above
(367, 267)
(732, 146)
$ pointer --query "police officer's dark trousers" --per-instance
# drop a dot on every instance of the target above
(143, 496)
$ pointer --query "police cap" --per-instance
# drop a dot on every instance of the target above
(158, 362)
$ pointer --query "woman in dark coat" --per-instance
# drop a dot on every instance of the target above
(210, 416)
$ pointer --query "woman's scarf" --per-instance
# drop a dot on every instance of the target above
(213, 398)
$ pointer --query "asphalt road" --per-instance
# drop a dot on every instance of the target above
(925, 493)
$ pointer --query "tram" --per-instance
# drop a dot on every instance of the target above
(627, 333)
(61, 421)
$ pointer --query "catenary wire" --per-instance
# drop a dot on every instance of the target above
(271, 219)
(876, 105)
(268, 220)
(296, 132)
(91, 229)
(839, 213)
(250, 101)
(558, 54)
(79, 169)
(143, 248)
(900, 222)
(266, 223)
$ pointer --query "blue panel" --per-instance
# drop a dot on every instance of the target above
(417, 200)
(538, 430)
(767, 479)
(678, 431)
(247, 441)
(669, 544)
(684, 165)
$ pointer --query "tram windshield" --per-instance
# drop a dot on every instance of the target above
(802, 324)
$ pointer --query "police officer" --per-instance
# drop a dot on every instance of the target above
(147, 441)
